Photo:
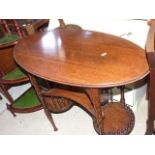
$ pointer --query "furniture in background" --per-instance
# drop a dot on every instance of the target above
(24, 27)
(67, 26)
(150, 52)
(32, 26)
(11, 26)
(35, 25)
(11, 75)
(77, 65)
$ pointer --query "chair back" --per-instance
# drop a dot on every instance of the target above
(36, 25)
(13, 27)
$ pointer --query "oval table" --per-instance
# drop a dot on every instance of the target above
(84, 59)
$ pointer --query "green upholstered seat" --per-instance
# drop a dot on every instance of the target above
(8, 38)
(28, 100)
(14, 75)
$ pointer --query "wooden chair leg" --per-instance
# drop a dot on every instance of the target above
(9, 108)
(8, 96)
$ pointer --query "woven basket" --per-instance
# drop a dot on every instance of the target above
(58, 104)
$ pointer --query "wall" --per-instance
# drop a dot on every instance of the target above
(134, 30)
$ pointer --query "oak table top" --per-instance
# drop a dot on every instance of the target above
(82, 58)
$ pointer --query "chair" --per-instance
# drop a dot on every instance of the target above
(67, 26)
(10, 74)
(37, 25)
(24, 27)
(150, 53)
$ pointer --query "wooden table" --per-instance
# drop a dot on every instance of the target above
(86, 59)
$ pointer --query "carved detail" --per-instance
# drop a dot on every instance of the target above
(118, 119)
(57, 104)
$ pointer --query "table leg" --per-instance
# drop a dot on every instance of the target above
(151, 118)
(151, 105)
(46, 110)
(94, 95)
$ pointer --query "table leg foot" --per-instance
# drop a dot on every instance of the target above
(150, 128)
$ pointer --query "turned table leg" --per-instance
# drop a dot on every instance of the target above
(94, 95)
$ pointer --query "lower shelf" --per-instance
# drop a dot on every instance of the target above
(118, 119)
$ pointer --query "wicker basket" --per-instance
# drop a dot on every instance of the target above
(58, 104)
